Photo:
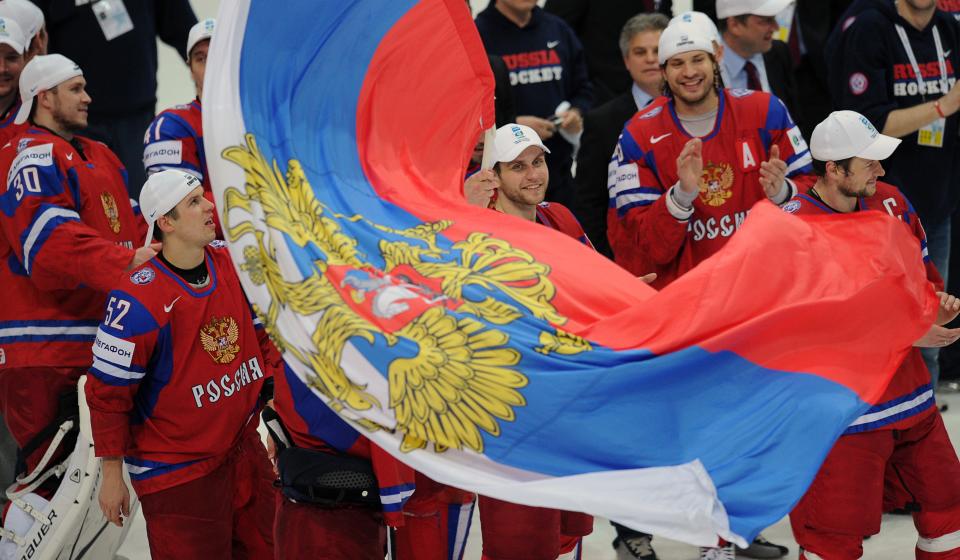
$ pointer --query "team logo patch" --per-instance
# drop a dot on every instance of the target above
(110, 210)
(791, 206)
(219, 339)
(143, 276)
(716, 184)
(653, 112)
(740, 92)
(24, 142)
(858, 83)
(218, 243)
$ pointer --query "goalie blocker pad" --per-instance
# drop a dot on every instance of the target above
(69, 526)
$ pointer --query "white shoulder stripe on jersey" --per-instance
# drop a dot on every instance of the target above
(894, 410)
(625, 199)
(397, 498)
(803, 160)
(46, 331)
(116, 371)
(38, 225)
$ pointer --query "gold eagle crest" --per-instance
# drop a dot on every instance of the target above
(716, 184)
(110, 210)
(459, 377)
(219, 339)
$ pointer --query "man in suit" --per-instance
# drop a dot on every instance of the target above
(597, 24)
(601, 127)
(752, 58)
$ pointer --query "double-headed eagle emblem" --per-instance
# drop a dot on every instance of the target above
(455, 372)
(219, 339)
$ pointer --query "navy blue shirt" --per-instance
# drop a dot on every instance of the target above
(870, 73)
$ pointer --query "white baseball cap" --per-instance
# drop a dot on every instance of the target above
(847, 134)
(27, 15)
(700, 20)
(11, 34)
(681, 37)
(200, 31)
(161, 194)
(40, 74)
(512, 139)
(731, 8)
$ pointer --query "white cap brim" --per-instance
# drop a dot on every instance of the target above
(24, 113)
(517, 149)
(881, 148)
(766, 9)
(13, 44)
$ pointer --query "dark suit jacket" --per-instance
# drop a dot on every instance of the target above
(601, 129)
(780, 74)
(598, 24)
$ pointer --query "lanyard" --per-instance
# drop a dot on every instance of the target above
(916, 67)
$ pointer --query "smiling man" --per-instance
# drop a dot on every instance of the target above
(65, 198)
(512, 531)
(688, 169)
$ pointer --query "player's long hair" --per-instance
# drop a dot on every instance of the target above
(717, 78)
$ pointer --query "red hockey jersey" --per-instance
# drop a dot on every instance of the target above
(177, 372)
(909, 397)
(644, 234)
(68, 233)
(8, 129)
(174, 140)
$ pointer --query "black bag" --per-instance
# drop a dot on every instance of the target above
(327, 479)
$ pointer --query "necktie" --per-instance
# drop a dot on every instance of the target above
(753, 77)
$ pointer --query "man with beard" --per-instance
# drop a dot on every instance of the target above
(68, 232)
(896, 64)
(903, 434)
(689, 167)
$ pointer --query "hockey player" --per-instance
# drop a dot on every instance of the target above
(325, 522)
(689, 167)
(175, 388)
(12, 48)
(68, 232)
(174, 140)
(512, 531)
(904, 433)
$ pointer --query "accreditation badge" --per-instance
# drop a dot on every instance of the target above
(113, 18)
(931, 135)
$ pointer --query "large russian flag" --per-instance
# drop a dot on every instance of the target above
(500, 356)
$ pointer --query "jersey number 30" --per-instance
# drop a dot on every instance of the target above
(28, 180)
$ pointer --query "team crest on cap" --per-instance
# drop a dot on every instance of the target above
(858, 83)
(791, 206)
(219, 339)
(143, 276)
(110, 210)
(518, 135)
(716, 184)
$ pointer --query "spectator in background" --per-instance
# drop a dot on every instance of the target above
(598, 23)
(602, 126)
(752, 57)
(548, 74)
(896, 64)
(125, 88)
